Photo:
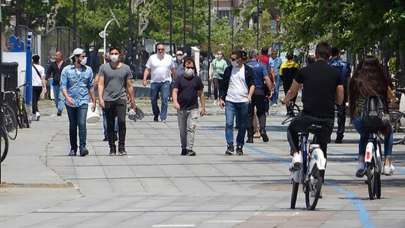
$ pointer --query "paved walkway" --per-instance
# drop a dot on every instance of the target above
(155, 187)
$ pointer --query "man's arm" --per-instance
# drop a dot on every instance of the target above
(173, 71)
(292, 92)
(130, 92)
(175, 101)
(63, 84)
(251, 91)
(268, 83)
(202, 102)
(340, 94)
(145, 76)
(100, 87)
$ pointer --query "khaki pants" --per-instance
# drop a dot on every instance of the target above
(187, 120)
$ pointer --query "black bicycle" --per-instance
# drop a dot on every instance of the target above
(9, 117)
(3, 136)
(22, 116)
(373, 166)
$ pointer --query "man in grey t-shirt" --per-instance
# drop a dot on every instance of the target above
(114, 87)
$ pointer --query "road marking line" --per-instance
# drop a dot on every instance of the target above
(174, 225)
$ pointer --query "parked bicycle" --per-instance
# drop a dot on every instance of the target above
(3, 135)
(314, 163)
(22, 116)
(9, 117)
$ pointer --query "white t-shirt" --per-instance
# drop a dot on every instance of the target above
(37, 79)
(160, 68)
(237, 90)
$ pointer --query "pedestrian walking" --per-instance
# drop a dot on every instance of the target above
(218, 66)
(114, 86)
(288, 70)
(77, 88)
(178, 65)
(54, 74)
(161, 69)
(345, 71)
(186, 92)
(38, 85)
(263, 87)
(236, 93)
(275, 64)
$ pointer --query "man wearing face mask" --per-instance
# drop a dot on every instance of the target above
(236, 92)
(161, 68)
(114, 86)
(77, 87)
(54, 71)
(186, 91)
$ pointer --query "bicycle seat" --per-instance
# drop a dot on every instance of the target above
(315, 129)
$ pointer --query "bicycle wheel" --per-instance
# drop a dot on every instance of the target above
(313, 188)
(3, 144)
(294, 194)
(24, 116)
(10, 121)
(371, 180)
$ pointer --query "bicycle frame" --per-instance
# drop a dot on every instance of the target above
(372, 155)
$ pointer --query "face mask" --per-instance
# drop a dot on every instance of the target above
(188, 73)
(179, 58)
(83, 61)
(114, 58)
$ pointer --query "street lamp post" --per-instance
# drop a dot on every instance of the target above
(74, 23)
(184, 23)
(104, 32)
(257, 25)
(209, 45)
(171, 25)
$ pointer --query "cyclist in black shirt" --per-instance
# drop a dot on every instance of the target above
(322, 88)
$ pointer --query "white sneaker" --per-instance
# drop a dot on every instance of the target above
(215, 102)
(37, 116)
(296, 161)
(388, 170)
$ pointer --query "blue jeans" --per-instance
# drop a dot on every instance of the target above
(77, 118)
(274, 97)
(59, 98)
(388, 138)
(240, 111)
(164, 89)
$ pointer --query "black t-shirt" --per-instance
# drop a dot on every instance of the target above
(188, 91)
(319, 89)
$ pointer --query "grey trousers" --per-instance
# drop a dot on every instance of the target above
(187, 124)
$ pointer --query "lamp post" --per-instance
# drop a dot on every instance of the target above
(171, 25)
(103, 34)
(184, 22)
(209, 45)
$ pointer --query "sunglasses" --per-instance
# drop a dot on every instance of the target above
(234, 59)
(161, 49)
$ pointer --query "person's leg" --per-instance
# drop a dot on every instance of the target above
(229, 118)
(299, 124)
(154, 93)
(36, 93)
(121, 110)
(165, 90)
(341, 121)
(59, 99)
(250, 129)
(358, 125)
(192, 119)
(105, 126)
(72, 115)
(388, 142)
(261, 115)
(274, 98)
(216, 88)
(182, 121)
(81, 121)
(242, 111)
(110, 119)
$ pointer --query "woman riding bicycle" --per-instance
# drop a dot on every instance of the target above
(369, 80)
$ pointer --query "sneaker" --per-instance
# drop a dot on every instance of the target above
(191, 153)
(229, 150)
(183, 152)
(59, 113)
(388, 170)
(72, 152)
(113, 150)
(339, 139)
(250, 139)
(155, 119)
(105, 139)
(361, 167)
(296, 161)
(84, 152)
(38, 116)
(239, 150)
(215, 102)
(122, 152)
(164, 121)
(264, 136)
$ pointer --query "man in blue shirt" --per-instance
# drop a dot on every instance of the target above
(263, 87)
(275, 64)
(77, 87)
(345, 71)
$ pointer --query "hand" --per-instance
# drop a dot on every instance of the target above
(101, 101)
(177, 105)
(250, 99)
(221, 103)
(203, 112)
(69, 101)
(284, 102)
(145, 82)
(93, 107)
(44, 90)
(133, 105)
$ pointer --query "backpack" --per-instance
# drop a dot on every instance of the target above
(374, 116)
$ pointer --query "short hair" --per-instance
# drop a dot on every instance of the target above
(323, 50)
(290, 56)
(35, 58)
(265, 51)
(237, 52)
(252, 54)
(114, 48)
(335, 51)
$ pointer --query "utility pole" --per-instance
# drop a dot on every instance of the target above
(184, 22)
(74, 24)
(171, 25)
(130, 33)
(257, 25)
(209, 45)
(233, 25)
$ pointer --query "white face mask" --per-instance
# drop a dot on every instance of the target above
(188, 73)
(114, 58)
(83, 61)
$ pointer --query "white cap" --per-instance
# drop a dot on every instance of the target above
(77, 51)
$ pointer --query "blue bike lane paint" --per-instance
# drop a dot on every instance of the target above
(357, 203)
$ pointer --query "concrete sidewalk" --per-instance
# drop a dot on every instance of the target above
(156, 187)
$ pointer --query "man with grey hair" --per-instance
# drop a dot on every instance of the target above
(263, 87)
